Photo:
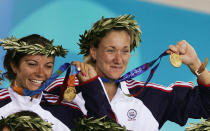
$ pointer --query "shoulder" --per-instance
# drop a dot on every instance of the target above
(135, 85)
(4, 97)
(66, 112)
(4, 94)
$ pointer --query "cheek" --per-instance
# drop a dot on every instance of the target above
(24, 73)
(49, 72)
(48, 75)
(103, 57)
(126, 59)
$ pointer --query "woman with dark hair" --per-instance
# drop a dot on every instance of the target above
(29, 64)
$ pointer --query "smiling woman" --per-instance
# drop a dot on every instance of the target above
(33, 71)
(29, 64)
(28, 71)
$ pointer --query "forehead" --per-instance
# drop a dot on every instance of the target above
(38, 58)
(116, 38)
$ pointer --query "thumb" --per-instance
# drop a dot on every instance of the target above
(91, 71)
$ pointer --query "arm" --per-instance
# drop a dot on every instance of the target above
(176, 103)
(96, 102)
(189, 103)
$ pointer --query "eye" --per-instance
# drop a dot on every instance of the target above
(49, 66)
(126, 51)
(32, 64)
(110, 51)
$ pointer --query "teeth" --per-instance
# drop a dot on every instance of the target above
(37, 81)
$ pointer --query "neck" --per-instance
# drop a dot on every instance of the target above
(111, 89)
(35, 96)
(19, 90)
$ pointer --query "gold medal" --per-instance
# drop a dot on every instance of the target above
(175, 60)
(69, 94)
(70, 91)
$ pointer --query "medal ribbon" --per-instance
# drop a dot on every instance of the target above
(73, 71)
(139, 70)
(69, 81)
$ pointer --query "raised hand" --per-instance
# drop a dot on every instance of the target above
(187, 53)
(86, 71)
(190, 58)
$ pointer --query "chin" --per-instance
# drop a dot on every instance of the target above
(114, 77)
(33, 88)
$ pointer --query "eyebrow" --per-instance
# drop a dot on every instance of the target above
(114, 46)
(36, 61)
(30, 60)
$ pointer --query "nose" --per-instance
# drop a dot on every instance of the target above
(40, 72)
(118, 57)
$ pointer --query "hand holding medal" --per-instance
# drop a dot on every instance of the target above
(84, 73)
(183, 52)
(176, 53)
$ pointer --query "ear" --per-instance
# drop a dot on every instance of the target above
(14, 68)
(93, 52)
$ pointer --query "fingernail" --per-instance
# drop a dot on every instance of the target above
(84, 74)
(79, 69)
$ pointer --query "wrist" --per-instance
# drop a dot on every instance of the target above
(195, 66)
(204, 78)
(201, 68)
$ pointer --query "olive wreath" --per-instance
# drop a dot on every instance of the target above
(104, 25)
(49, 50)
(14, 122)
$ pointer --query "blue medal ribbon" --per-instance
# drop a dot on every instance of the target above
(133, 73)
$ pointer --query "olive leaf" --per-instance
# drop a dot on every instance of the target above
(98, 124)
(204, 125)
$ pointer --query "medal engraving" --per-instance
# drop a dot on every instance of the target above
(175, 60)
